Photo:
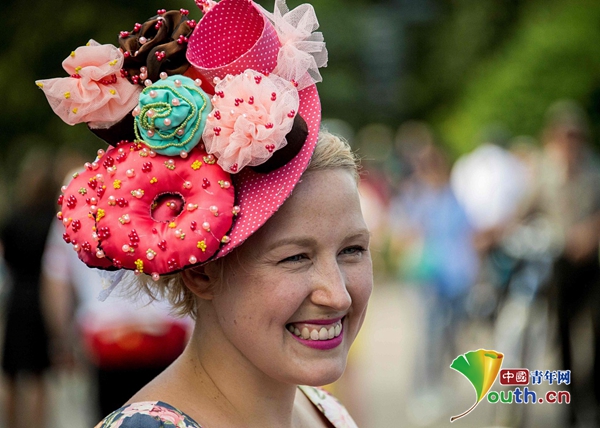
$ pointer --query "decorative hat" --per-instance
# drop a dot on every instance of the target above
(211, 125)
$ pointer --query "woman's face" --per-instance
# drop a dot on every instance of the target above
(294, 304)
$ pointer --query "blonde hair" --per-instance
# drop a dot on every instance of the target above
(331, 152)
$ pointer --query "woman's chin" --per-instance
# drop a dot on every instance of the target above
(318, 376)
(323, 380)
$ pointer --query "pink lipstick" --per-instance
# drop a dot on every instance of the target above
(322, 345)
(308, 333)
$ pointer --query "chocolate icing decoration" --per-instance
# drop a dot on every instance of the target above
(295, 140)
(164, 39)
(122, 130)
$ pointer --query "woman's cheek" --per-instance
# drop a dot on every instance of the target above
(360, 284)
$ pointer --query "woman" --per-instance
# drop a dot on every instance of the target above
(308, 268)
(191, 199)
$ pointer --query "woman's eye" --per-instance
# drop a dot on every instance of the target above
(354, 250)
(294, 259)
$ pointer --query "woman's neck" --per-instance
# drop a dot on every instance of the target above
(239, 393)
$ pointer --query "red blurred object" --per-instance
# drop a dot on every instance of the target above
(132, 347)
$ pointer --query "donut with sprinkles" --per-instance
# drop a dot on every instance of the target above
(79, 209)
(161, 213)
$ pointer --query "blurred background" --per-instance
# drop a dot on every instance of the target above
(478, 125)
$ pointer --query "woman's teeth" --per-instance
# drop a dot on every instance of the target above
(318, 332)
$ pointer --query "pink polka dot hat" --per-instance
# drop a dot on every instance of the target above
(210, 125)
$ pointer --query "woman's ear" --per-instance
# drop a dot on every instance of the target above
(198, 282)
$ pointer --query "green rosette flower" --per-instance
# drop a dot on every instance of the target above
(171, 115)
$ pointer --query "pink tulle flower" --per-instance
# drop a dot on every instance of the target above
(95, 92)
(302, 50)
(252, 114)
(206, 5)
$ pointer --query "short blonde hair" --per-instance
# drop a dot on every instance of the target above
(331, 152)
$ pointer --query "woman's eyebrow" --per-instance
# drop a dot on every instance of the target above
(298, 241)
(302, 241)
(362, 233)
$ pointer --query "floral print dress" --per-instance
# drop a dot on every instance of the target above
(157, 414)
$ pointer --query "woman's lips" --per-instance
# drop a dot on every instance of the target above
(320, 321)
(318, 334)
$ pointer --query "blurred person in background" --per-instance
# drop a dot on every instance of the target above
(374, 144)
(445, 262)
(23, 235)
(126, 344)
(524, 243)
(569, 195)
(411, 139)
(521, 253)
(490, 183)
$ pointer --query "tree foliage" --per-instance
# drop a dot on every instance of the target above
(549, 54)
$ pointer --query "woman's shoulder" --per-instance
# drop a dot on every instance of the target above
(158, 414)
(148, 414)
(331, 408)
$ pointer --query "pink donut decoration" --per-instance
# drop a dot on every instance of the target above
(160, 213)
(79, 205)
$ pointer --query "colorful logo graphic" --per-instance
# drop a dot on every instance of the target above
(481, 368)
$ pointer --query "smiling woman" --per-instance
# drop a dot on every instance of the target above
(308, 268)
(281, 310)
(220, 195)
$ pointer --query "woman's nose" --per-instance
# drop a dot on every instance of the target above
(329, 287)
